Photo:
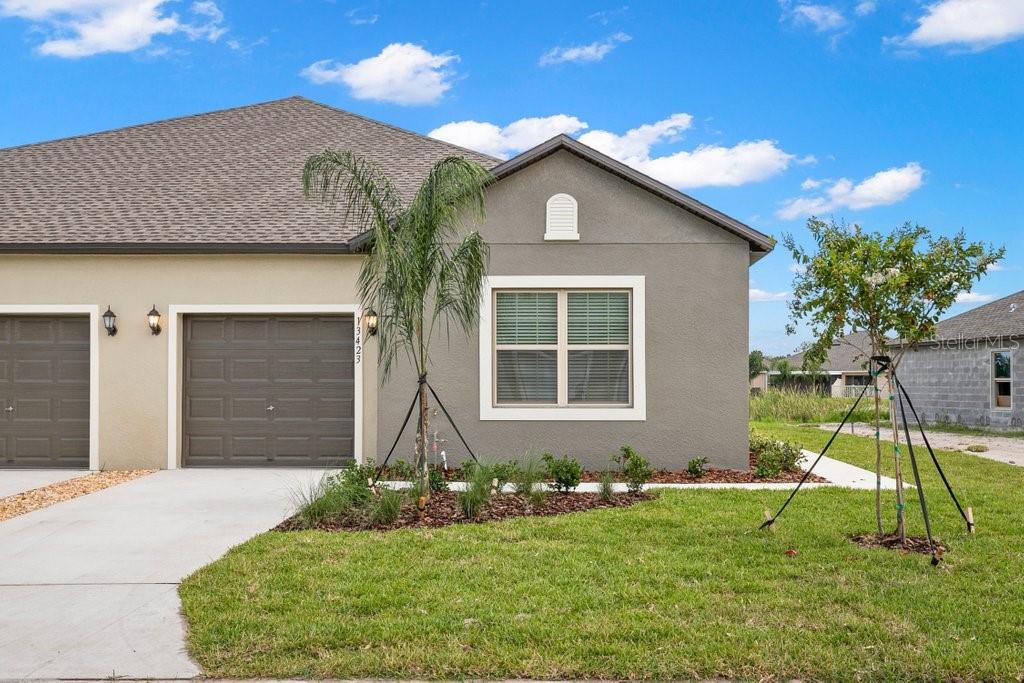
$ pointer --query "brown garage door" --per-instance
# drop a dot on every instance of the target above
(44, 391)
(268, 390)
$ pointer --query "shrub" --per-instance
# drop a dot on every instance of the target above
(786, 405)
(696, 467)
(478, 491)
(334, 496)
(504, 472)
(977, 448)
(437, 481)
(607, 489)
(565, 472)
(403, 471)
(635, 468)
(385, 508)
(529, 481)
(772, 457)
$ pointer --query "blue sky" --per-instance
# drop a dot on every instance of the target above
(874, 112)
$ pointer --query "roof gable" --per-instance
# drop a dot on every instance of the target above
(760, 244)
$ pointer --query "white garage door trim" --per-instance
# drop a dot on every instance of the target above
(93, 311)
(174, 358)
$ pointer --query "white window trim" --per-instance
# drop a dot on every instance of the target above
(93, 312)
(174, 357)
(636, 412)
(994, 381)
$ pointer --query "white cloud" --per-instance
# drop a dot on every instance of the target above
(706, 165)
(761, 295)
(976, 24)
(797, 268)
(594, 52)
(972, 298)
(822, 17)
(502, 142)
(81, 28)
(885, 187)
(357, 18)
(865, 8)
(402, 73)
(811, 184)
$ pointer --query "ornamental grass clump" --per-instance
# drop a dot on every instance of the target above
(478, 491)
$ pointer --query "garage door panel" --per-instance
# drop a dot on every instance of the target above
(44, 378)
(294, 364)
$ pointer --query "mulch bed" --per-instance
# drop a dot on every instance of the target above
(443, 510)
(712, 475)
(913, 544)
(45, 496)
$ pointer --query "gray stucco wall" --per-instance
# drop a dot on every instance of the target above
(696, 324)
(953, 383)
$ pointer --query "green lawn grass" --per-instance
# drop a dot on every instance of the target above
(680, 587)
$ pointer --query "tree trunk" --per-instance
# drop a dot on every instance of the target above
(901, 529)
(423, 476)
(878, 459)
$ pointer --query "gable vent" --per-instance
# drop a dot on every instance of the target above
(561, 218)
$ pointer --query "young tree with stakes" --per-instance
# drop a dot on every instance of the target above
(894, 287)
(422, 272)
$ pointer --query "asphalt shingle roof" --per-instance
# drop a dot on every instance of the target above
(228, 179)
(1000, 318)
(843, 356)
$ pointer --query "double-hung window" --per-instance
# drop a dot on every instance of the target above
(561, 352)
(1002, 379)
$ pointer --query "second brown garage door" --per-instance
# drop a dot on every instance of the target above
(268, 390)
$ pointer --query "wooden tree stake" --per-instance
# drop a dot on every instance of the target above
(970, 518)
(768, 518)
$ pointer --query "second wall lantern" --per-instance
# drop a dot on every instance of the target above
(153, 318)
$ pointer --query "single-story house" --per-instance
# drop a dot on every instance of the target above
(844, 372)
(972, 371)
(168, 298)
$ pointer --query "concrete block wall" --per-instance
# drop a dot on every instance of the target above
(952, 382)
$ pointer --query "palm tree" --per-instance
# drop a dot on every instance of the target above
(423, 272)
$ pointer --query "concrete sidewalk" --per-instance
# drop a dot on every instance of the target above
(89, 587)
(13, 482)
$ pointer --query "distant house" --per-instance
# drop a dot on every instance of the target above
(844, 373)
(972, 371)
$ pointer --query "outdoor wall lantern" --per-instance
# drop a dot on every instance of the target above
(370, 317)
(110, 322)
(153, 318)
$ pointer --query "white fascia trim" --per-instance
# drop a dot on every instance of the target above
(174, 313)
(93, 311)
(635, 413)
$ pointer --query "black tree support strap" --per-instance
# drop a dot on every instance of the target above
(405, 422)
(935, 460)
(398, 437)
(452, 423)
(917, 482)
(810, 469)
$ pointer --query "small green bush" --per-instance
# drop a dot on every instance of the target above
(334, 496)
(635, 468)
(772, 457)
(385, 508)
(477, 493)
(607, 489)
(437, 481)
(696, 467)
(977, 448)
(564, 472)
(402, 470)
(504, 472)
(529, 481)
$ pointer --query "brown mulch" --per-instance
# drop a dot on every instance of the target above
(443, 510)
(45, 496)
(913, 544)
(714, 475)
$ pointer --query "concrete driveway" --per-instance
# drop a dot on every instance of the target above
(88, 587)
(18, 481)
